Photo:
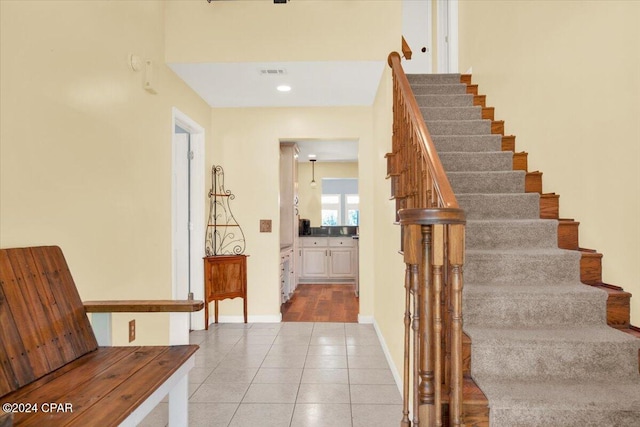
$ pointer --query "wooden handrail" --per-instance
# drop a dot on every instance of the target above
(406, 50)
(406, 102)
(433, 227)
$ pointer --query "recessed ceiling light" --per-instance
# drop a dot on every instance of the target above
(284, 88)
(312, 156)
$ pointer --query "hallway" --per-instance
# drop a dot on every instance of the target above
(322, 303)
(289, 375)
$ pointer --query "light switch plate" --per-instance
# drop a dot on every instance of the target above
(265, 226)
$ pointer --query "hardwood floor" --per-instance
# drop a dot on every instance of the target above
(322, 303)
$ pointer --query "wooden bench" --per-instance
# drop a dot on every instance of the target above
(52, 371)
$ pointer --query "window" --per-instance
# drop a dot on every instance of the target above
(352, 208)
(331, 209)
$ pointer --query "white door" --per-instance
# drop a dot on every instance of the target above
(416, 29)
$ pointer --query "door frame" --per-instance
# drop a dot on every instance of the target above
(197, 226)
(447, 36)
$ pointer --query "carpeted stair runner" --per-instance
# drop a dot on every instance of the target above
(541, 350)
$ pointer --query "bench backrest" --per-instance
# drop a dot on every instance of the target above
(43, 324)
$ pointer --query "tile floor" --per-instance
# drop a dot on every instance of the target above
(289, 375)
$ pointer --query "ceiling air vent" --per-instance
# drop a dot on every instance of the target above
(272, 71)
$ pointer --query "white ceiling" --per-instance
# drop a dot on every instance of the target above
(313, 84)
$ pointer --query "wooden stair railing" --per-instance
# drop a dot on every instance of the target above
(432, 243)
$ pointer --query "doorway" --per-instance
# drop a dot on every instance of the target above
(319, 264)
(187, 217)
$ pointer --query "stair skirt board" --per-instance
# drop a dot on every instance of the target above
(541, 350)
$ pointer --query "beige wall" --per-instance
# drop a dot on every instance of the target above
(245, 141)
(302, 30)
(389, 268)
(310, 205)
(565, 77)
(85, 151)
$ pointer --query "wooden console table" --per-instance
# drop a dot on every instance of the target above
(225, 276)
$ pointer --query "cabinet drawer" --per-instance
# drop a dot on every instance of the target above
(310, 242)
(342, 242)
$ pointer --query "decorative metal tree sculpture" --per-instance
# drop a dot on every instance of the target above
(224, 235)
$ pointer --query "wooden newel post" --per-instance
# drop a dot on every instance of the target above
(456, 261)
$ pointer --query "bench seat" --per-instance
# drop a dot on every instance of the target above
(102, 387)
(52, 370)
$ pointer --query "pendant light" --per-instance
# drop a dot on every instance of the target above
(313, 173)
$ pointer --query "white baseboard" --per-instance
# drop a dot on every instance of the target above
(387, 355)
(368, 320)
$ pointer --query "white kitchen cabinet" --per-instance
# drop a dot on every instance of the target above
(341, 262)
(314, 262)
(328, 259)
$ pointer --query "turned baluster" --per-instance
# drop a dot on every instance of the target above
(456, 258)
(437, 263)
(426, 388)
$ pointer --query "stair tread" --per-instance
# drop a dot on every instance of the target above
(506, 291)
(525, 251)
(534, 336)
(563, 393)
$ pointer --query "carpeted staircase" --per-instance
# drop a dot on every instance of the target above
(541, 349)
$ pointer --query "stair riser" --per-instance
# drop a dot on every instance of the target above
(568, 234)
(541, 360)
(435, 89)
(549, 206)
(591, 268)
(509, 143)
(475, 162)
(619, 310)
(514, 206)
(486, 182)
(462, 127)
(452, 113)
(526, 312)
(459, 143)
(521, 269)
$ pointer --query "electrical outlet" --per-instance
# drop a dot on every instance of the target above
(132, 330)
(265, 226)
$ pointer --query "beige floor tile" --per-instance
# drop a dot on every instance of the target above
(278, 375)
(271, 393)
(376, 415)
(375, 394)
(321, 415)
(323, 393)
(325, 376)
(371, 376)
(263, 415)
(220, 393)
